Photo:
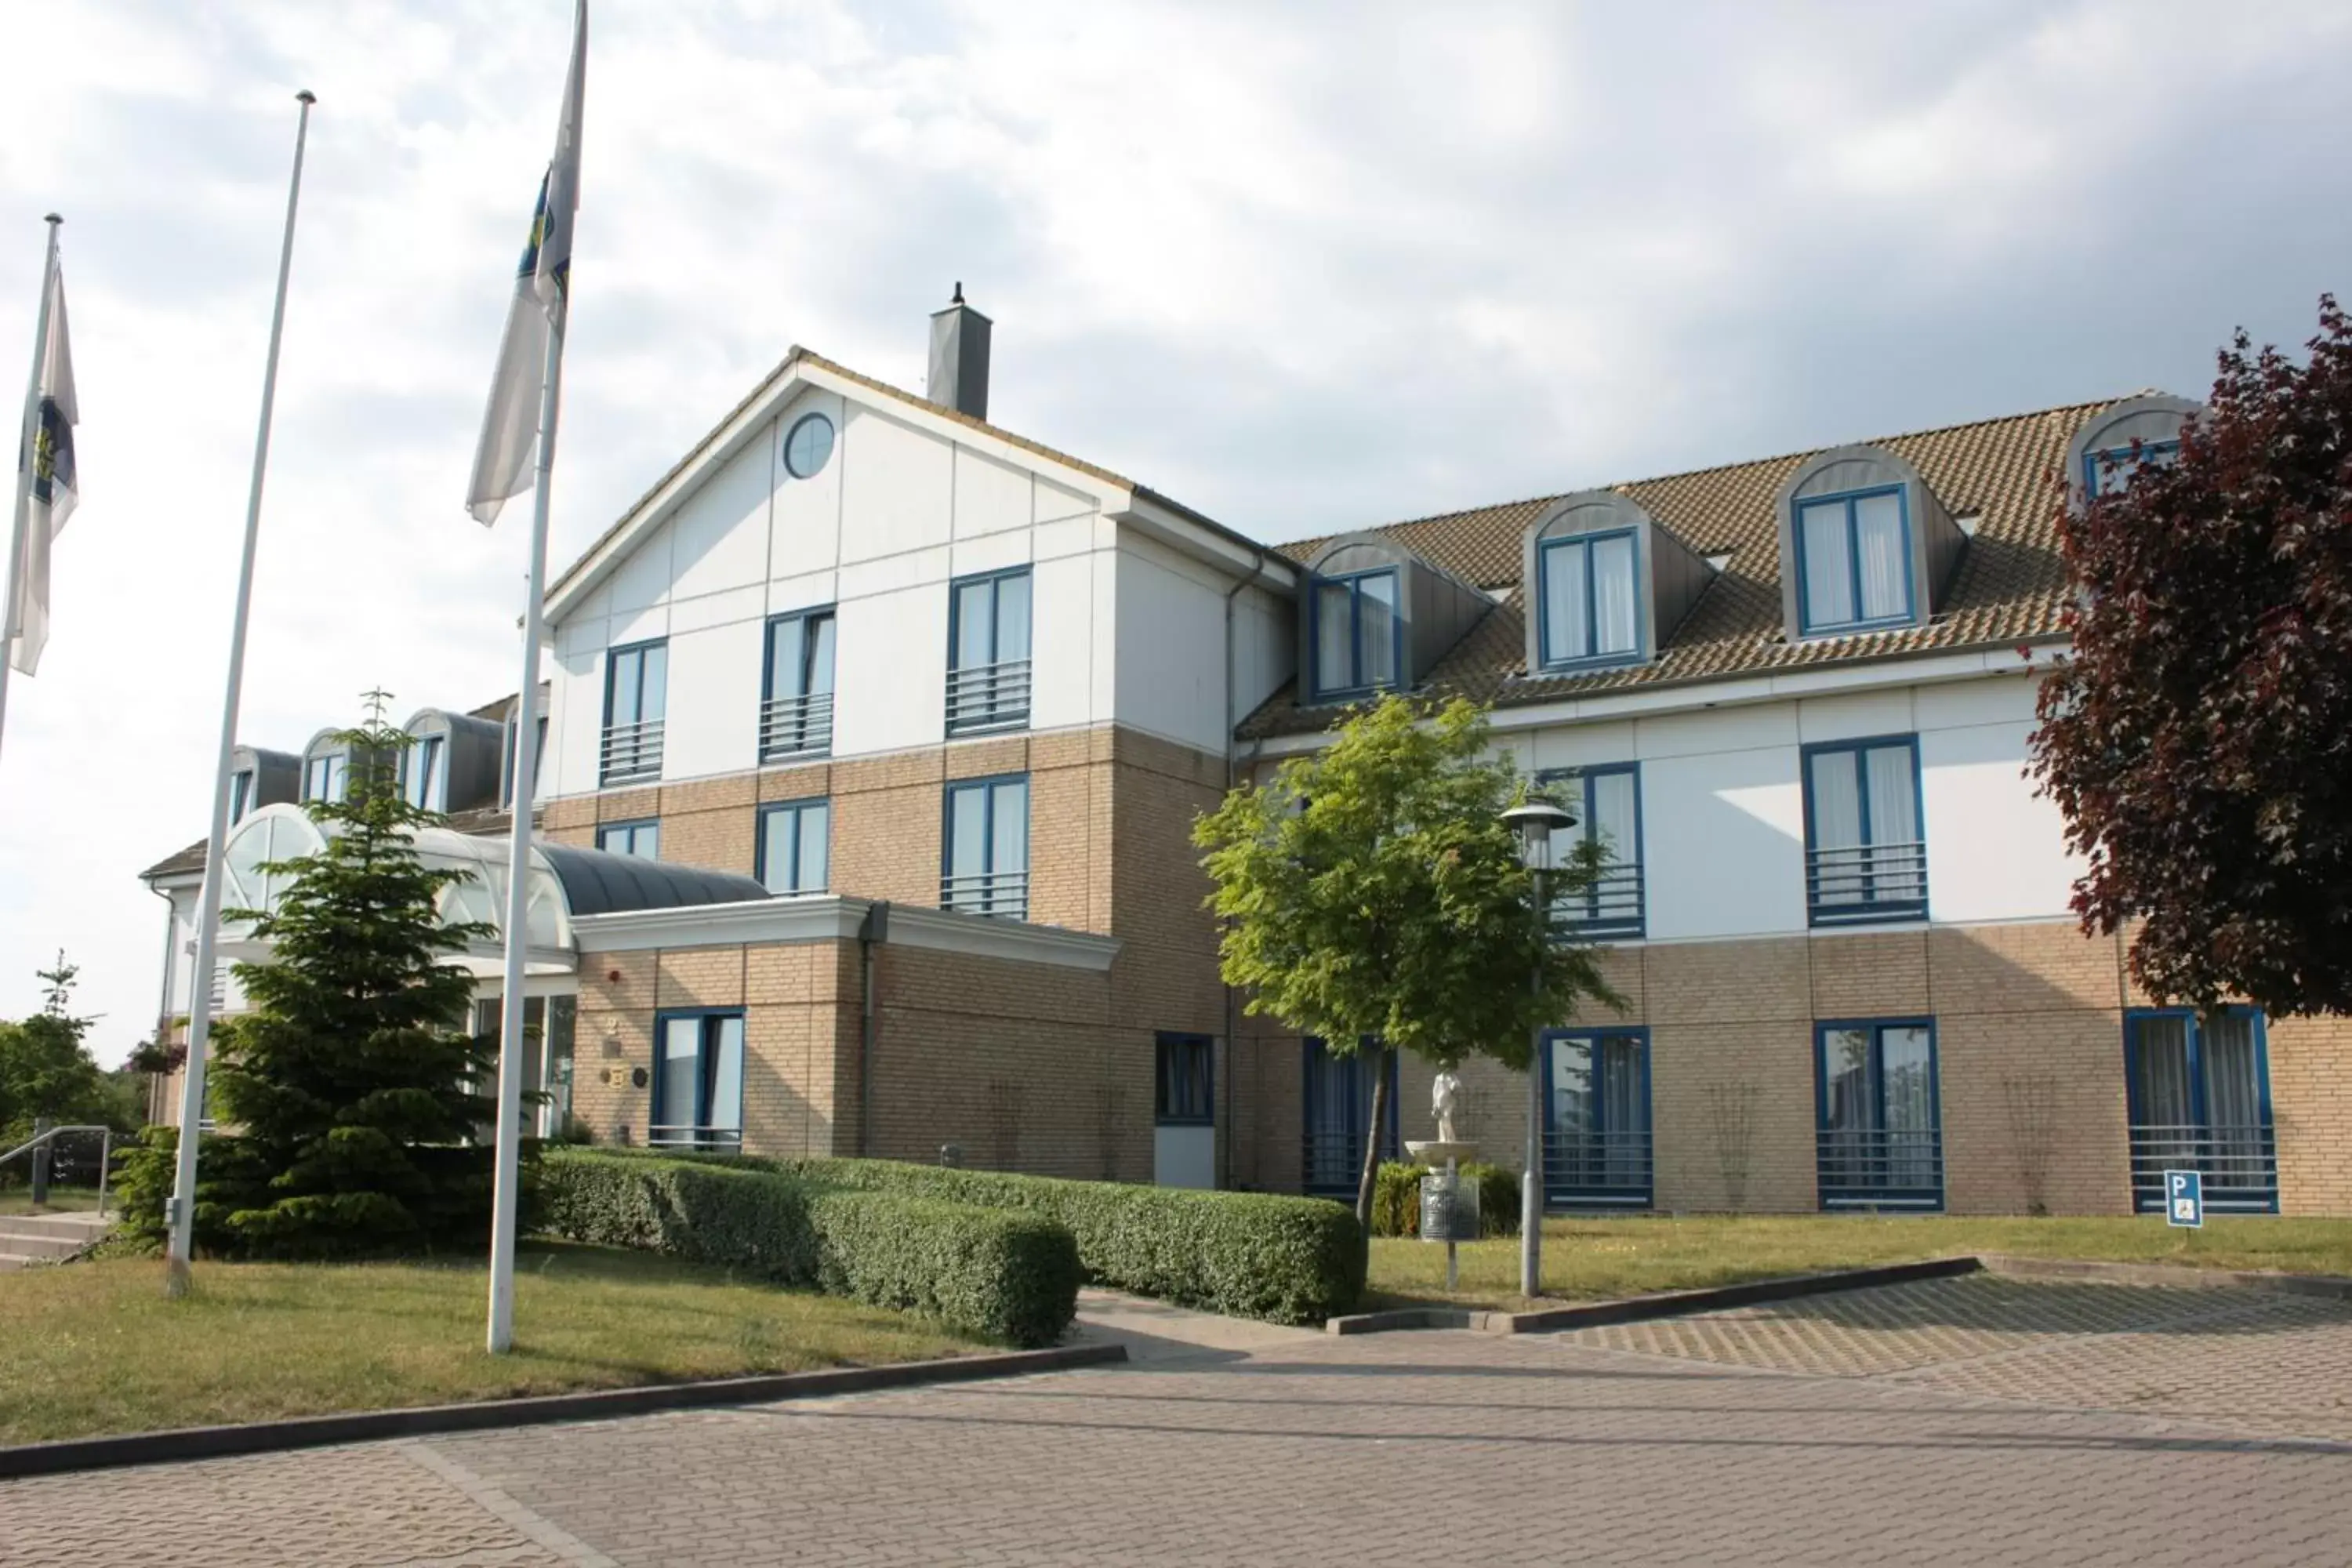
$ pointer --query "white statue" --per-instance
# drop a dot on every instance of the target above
(1445, 1099)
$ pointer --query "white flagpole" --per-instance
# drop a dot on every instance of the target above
(200, 978)
(503, 1218)
(25, 460)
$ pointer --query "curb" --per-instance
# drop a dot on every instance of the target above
(1665, 1304)
(2175, 1276)
(364, 1425)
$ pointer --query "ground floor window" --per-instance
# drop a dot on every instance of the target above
(642, 839)
(1880, 1141)
(1597, 1118)
(698, 1081)
(549, 1024)
(1186, 1096)
(2199, 1097)
(1337, 1109)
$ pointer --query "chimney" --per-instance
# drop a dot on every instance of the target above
(960, 358)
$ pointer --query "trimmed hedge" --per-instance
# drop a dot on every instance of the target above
(1396, 1198)
(1011, 1277)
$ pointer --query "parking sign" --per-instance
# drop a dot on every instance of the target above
(2184, 1197)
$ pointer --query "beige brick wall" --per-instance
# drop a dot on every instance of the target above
(2311, 1105)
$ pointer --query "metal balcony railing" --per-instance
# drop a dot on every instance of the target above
(632, 752)
(1004, 894)
(2240, 1164)
(796, 726)
(1866, 882)
(1331, 1163)
(1868, 1169)
(704, 1140)
(988, 696)
(1597, 1170)
(1611, 906)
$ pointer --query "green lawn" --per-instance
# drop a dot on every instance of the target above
(1587, 1259)
(94, 1348)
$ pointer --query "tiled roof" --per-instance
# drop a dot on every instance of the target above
(2010, 585)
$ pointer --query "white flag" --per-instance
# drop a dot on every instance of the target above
(543, 288)
(55, 487)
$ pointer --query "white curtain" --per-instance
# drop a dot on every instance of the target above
(1610, 798)
(1878, 539)
(677, 1103)
(1908, 1070)
(814, 822)
(1897, 874)
(2165, 1134)
(1615, 628)
(1567, 634)
(2233, 1098)
(725, 1066)
(1837, 828)
(1829, 569)
(1376, 653)
(1334, 664)
(1624, 1112)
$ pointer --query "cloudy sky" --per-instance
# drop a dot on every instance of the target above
(1301, 266)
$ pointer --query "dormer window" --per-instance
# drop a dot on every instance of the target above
(1591, 598)
(2108, 471)
(1359, 637)
(240, 794)
(325, 776)
(2123, 438)
(1853, 561)
(1607, 582)
(427, 783)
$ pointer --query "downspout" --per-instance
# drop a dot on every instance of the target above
(1233, 998)
(871, 933)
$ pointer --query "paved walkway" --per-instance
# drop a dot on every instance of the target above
(1875, 1428)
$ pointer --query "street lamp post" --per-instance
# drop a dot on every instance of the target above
(1535, 823)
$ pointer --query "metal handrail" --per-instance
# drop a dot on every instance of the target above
(1004, 893)
(1612, 906)
(1848, 879)
(1608, 1167)
(105, 1152)
(796, 726)
(2238, 1160)
(1865, 1165)
(692, 1135)
(982, 696)
(631, 750)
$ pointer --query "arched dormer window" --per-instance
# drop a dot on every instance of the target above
(2117, 441)
(452, 762)
(1606, 584)
(1376, 617)
(326, 767)
(1865, 545)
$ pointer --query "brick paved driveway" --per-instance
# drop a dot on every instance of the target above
(1973, 1421)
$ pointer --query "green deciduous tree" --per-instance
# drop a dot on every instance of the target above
(1373, 896)
(46, 1071)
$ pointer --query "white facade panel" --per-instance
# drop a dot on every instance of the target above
(638, 626)
(890, 670)
(1071, 536)
(1855, 715)
(1996, 851)
(991, 552)
(2008, 700)
(719, 536)
(804, 532)
(1184, 1156)
(1585, 745)
(1716, 730)
(575, 722)
(859, 579)
(805, 592)
(1053, 502)
(1266, 649)
(897, 487)
(990, 497)
(712, 702)
(749, 602)
(1722, 843)
(642, 580)
(1170, 652)
(1069, 622)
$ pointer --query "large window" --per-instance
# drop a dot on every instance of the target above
(326, 776)
(240, 794)
(1186, 1093)
(425, 785)
(2109, 470)
(1607, 802)
(985, 864)
(698, 1081)
(1358, 637)
(1337, 1109)
(1597, 1118)
(792, 840)
(642, 839)
(636, 688)
(1865, 849)
(2199, 1097)
(1853, 561)
(1881, 1141)
(1590, 599)
(796, 695)
(987, 652)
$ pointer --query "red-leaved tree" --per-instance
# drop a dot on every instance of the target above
(2199, 738)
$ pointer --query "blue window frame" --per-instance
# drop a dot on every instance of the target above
(240, 793)
(1608, 805)
(327, 777)
(425, 787)
(984, 858)
(1358, 633)
(1591, 597)
(794, 837)
(1597, 1118)
(1854, 561)
(507, 763)
(2110, 468)
(636, 692)
(698, 1100)
(1878, 1117)
(1186, 1078)
(641, 838)
(1865, 836)
(988, 651)
(796, 687)
(2199, 1092)
(1336, 1107)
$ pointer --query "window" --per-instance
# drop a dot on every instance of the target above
(792, 854)
(1336, 1111)
(325, 777)
(1853, 561)
(987, 652)
(1590, 599)
(1880, 1132)
(636, 688)
(796, 694)
(1597, 1118)
(985, 868)
(538, 755)
(425, 786)
(2110, 471)
(2200, 1095)
(808, 445)
(1865, 850)
(642, 839)
(1187, 1076)
(697, 1082)
(1608, 805)
(1358, 637)
(240, 793)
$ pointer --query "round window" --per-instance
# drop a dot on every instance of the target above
(808, 445)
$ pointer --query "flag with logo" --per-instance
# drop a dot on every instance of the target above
(56, 486)
(502, 463)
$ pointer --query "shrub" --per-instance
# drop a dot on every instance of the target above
(1011, 1276)
(1396, 1198)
